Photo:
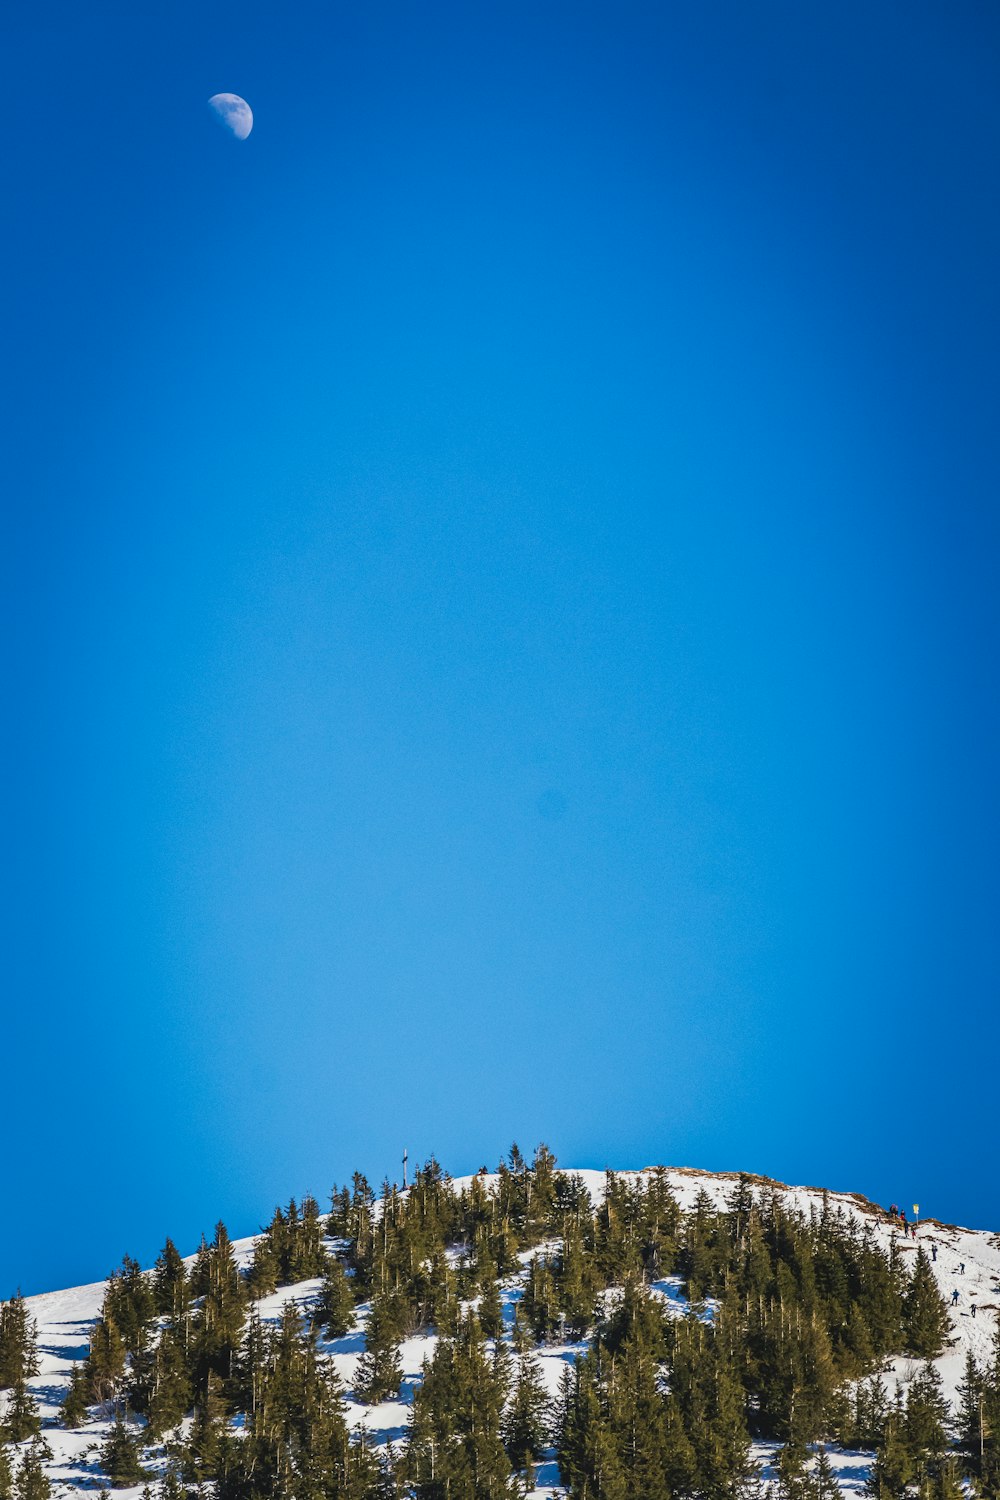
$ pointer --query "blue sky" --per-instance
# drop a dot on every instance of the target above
(500, 593)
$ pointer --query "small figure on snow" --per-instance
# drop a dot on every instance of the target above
(954, 1298)
(934, 1252)
(972, 1309)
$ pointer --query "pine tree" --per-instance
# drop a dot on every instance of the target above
(893, 1470)
(456, 1447)
(309, 1256)
(871, 1408)
(170, 1487)
(18, 1362)
(443, 1306)
(793, 1480)
(576, 1281)
(637, 1419)
(172, 1394)
(389, 1484)
(989, 1468)
(589, 1459)
(525, 1422)
(823, 1480)
(881, 1293)
(130, 1304)
(120, 1456)
(926, 1314)
(296, 1433)
(6, 1474)
(334, 1309)
(858, 1340)
(74, 1408)
(369, 1475)
(202, 1451)
(18, 1352)
(520, 1335)
(971, 1413)
(948, 1482)
(926, 1419)
(21, 1419)
(105, 1364)
(265, 1270)
(680, 1464)
(540, 1303)
(32, 1480)
(491, 1310)
(220, 1321)
(815, 1382)
(199, 1277)
(379, 1370)
(170, 1283)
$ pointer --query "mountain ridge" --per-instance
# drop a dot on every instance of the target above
(67, 1318)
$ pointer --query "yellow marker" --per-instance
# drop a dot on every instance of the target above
(916, 1209)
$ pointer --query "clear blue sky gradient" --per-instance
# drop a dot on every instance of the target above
(500, 595)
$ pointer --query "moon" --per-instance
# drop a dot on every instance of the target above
(232, 112)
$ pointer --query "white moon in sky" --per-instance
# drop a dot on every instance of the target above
(232, 112)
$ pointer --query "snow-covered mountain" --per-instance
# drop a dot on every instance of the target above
(966, 1261)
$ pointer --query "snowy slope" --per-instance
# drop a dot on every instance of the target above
(65, 1320)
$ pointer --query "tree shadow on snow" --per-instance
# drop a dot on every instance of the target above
(351, 1343)
(65, 1351)
(377, 1436)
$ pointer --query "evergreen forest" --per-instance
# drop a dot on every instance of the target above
(688, 1337)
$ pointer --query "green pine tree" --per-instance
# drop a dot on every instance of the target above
(309, 1256)
(32, 1480)
(201, 1453)
(540, 1303)
(823, 1479)
(988, 1474)
(171, 1487)
(334, 1308)
(265, 1270)
(120, 1456)
(219, 1326)
(379, 1371)
(130, 1304)
(926, 1420)
(105, 1364)
(793, 1479)
(456, 1448)
(948, 1482)
(525, 1422)
(21, 1419)
(893, 1470)
(170, 1283)
(972, 1413)
(172, 1393)
(74, 1408)
(926, 1315)
(18, 1351)
(491, 1310)
(588, 1451)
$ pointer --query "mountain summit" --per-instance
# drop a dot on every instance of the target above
(663, 1334)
